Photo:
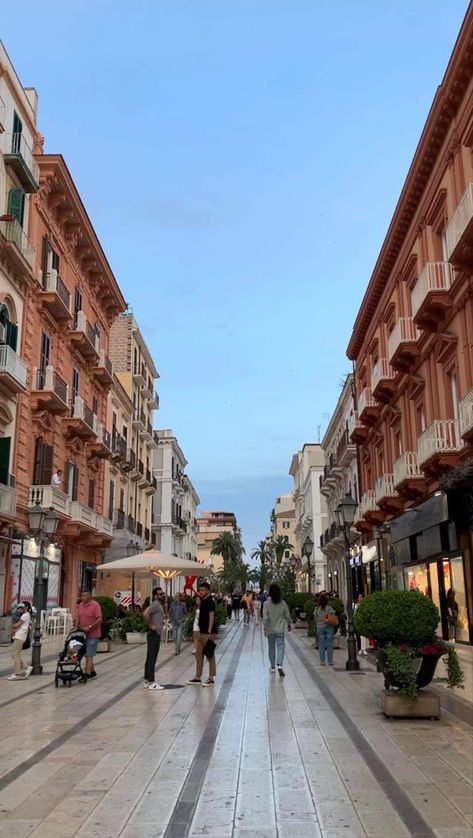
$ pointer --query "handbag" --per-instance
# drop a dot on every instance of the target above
(27, 643)
(209, 649)
(331, 620)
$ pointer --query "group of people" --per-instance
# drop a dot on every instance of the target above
(249, 603)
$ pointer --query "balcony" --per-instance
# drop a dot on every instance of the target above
(346, 450)
(139, 420)
(83, 515)
(17, 244)
(102, 445)
(84, 338)
(439, 445)
(465, 409)
(382, 380)
(139, 374)
(147, 433)
(386, 495)
(368, 407)
(82, 421)
(50, 497)
(119, 519)
(459, 232)
(49, 391)
(118, 447)
(12, 370)
(153, 401)
(18, 156)
(368, 506)
(357, 431)
(403, 343)
(7, 501)
(430, 296)
(407, 477)
(103, 371)
(104, 525)
(134, 465)
(55, 297)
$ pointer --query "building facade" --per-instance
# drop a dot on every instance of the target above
(283, 522)
(63, 437)
(412, 345)
(310, 515)
(19, 180)
(175, 501)
(210, 526)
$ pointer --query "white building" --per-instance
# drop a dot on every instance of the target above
(175, 501)
(311, 514)
(340, 477)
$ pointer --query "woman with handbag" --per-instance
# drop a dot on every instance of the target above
(326, 622)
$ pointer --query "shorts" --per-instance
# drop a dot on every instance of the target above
(92, 646)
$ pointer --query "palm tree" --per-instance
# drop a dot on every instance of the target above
(227, 547)
(280, 546)
(264, 553)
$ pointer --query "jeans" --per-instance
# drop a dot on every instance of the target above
(153, 639)
(276, 647)
(325, 635)
(246, 615)
(177, 629)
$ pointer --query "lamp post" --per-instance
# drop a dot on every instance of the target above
(43, 524)
(132, 548)
(345, 512)
(307, 550)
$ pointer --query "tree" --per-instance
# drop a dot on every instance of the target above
(264, 554)
(226, 546)
(280, 546)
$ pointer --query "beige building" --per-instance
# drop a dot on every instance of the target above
(307, 467)
(283, 522)
(210, 526)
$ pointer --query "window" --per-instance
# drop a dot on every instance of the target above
(111, 500)
(5, 443)
(77, 305)
(44, 355)
(43, 463)
(286, 554)
(95, 405)
(75, 385)
(50, 259)
(452, 376)
(420, 419)
(285, 525)
(8, 330)
(16, 204)
(91, 494)
(72, 480)
(122, 499)
(16, 135)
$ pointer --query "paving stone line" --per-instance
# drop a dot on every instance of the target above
(412, 818)
(180, 821)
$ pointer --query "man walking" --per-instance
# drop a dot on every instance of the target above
(154, 617)
(89, 619)
(247, 605)
(207, 628)
(177, 615)
(20, 629)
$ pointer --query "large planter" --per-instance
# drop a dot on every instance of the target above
(426, 705)
(427, 665)
(135, 637)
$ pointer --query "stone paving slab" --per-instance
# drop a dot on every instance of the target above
(257, 756)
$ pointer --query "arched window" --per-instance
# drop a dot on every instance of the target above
(8, 330)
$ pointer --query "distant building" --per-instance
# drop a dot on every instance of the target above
(210, 526)
(175, 501)
(283, 522)
(306, 469)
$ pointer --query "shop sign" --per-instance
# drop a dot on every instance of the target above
(369, 553)
(355, 561)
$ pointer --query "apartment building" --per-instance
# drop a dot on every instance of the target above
(19, 180)
(412, 345)
(210, 526)
(62, 422)
(283, 522)
(306, 469)
(175, 501)
(339, 478)
(136, 373)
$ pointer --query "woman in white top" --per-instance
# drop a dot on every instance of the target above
(195, 627)
(20, 631)
(257, 608)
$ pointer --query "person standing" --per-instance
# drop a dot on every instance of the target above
(257, 608)
(247, 605)
(195, 627)
(276, 619)
(153, 615)
(207, 628)
(227, 601)
(89, 619)
(177, 615)
(324, 630)
(236, 598)
(56, 479)
(20, 630)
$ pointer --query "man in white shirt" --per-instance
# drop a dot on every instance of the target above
(56, 479)
(20, 631)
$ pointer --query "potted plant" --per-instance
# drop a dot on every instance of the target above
(404, 625)
(134, 627)
(109, 614)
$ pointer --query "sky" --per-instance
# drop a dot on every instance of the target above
(240, 161)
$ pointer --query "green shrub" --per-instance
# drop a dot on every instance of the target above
(397, 617)
(108, 606)
(134, 621)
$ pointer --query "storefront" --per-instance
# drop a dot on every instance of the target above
(357, 581)
(427, 559)
(25, 567)
(371, 567)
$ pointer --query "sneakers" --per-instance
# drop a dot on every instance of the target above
(146, 684)
(15, 678)
(322, 663)
(281, 671)
(364, 652)
(155, 687)
(272, 669)
(28, 671)
(194, 682)
(209, 683)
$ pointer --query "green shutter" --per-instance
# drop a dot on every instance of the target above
(12, 335)
(16, 204)
(5, 442)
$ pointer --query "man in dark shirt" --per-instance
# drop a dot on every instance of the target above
(207, 628)
(236, 602)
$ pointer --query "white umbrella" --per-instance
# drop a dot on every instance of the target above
(159, 564)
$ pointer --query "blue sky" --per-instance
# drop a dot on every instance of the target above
(240, 160)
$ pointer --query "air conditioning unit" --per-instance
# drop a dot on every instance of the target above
(3, 333)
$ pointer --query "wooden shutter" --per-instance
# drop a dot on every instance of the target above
(91, 494)
(75, 482)
(45, 347)
(47, 466)
(16, 204)
(11, 338)
(38, 459)
(5, 442)
(111, 502)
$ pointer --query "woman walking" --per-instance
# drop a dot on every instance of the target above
(257, 609)
(276, 618)
(325, 631)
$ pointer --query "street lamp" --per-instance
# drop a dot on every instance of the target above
(345, 513)
(132, 548)
(307, 549)
(43, 525)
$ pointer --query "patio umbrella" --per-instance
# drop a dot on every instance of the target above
(159, 564)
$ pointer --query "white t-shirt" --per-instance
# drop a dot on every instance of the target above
(195, 627)
(56, 480)
(22, 631)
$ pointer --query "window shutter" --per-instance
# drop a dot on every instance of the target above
(111, 502)
(47, 464)
(12, 335)
(5, 442)
(91, 495)
(75, 482)
(16, 204)
(38, 459)
(122, 499)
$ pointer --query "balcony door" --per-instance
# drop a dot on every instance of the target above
(51, 259)
(5, 444)
(44, 353)
(16, 204)
(16, 134)
(72, 480)
(77, 305)
(75, 386)
(43, 463)
(8, 330)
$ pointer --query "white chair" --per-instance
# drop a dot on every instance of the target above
(167, 632)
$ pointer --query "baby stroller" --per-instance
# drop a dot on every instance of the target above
(69, 667)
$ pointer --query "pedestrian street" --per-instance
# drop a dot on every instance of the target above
(256, 756)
